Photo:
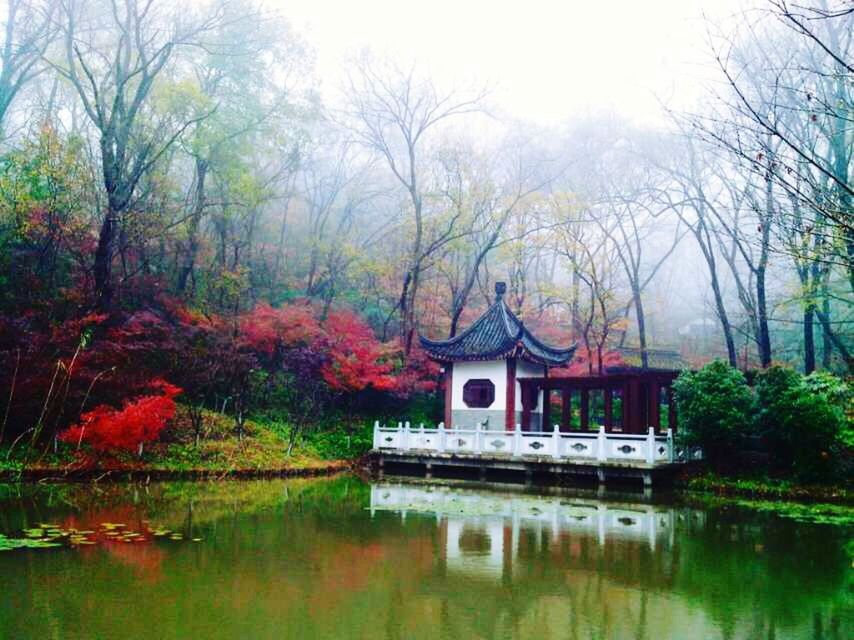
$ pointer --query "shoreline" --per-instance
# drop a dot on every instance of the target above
(763, 490)
(147, 475)
(699, 486)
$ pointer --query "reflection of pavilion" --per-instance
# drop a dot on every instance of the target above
(483, 530)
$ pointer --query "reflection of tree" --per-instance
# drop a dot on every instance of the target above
(144, 558)
(733, 566)
(304, 559)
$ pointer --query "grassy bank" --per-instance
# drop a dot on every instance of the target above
(262, 451)
(766, 488)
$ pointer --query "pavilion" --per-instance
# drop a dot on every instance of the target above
(496, 375)
(510, 408)
(484, 367)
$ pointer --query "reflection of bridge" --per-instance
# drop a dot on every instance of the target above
(483, 530)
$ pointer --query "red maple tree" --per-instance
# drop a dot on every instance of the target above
(141, 420)
(356, 360)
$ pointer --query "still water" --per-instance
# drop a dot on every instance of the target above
(342, 558)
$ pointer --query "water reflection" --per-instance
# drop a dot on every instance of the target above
(339, 558)
(499, 518)
(577, 566)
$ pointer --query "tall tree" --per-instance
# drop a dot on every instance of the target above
(253, 81)
(691, 194)
(485, 194)
(114, 53)
(393, 112)
(27, 32)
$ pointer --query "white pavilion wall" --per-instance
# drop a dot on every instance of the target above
(496, 371)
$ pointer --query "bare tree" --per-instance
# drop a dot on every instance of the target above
(687, 195)
(786, 96)
(485, 195)
(393, 111)
(630, 218)
(27, 32)
(595, 262)
(114, 54)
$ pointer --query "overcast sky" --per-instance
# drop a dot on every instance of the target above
(549, 60)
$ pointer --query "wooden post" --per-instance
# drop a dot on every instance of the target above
(547, 410)
(528, 397)
(671, 409)
(449, 388)
(633, 407)
(609, 408)
(585, 409)
(510, 405)
(654, 413)
(566, 410)
(625, 426)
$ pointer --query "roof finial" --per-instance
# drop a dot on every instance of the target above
(500, 290)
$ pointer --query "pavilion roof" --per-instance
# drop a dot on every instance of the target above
(497, 335)
(658, 359)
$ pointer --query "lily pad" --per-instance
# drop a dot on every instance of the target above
(8, 544)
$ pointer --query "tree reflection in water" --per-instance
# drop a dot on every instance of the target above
(338, 558)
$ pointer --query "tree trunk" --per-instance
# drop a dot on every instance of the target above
(826, 344)
(707, 249)
(574, 304)
(809, 339)
(763, 337)
(835, 340)
(189, 261)
(410, 315)
(641, 321)
(455, 320)
(103, 266)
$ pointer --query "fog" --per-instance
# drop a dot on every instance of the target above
(547, 61)
(671, 176)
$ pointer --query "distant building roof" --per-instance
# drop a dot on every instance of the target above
(658, 360)
(497, 335)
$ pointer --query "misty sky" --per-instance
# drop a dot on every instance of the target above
(549, 60)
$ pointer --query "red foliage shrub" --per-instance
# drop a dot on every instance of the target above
(140, 420)
(419, 374)
(356, 359)
(266, 330)
(344, 352)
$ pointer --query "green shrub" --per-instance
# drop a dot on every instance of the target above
(715, 410)
(841, 395)
(340, 444)
(802, 420)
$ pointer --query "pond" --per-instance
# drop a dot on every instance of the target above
(344, 558)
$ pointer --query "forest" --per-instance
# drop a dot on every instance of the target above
(193, 223)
